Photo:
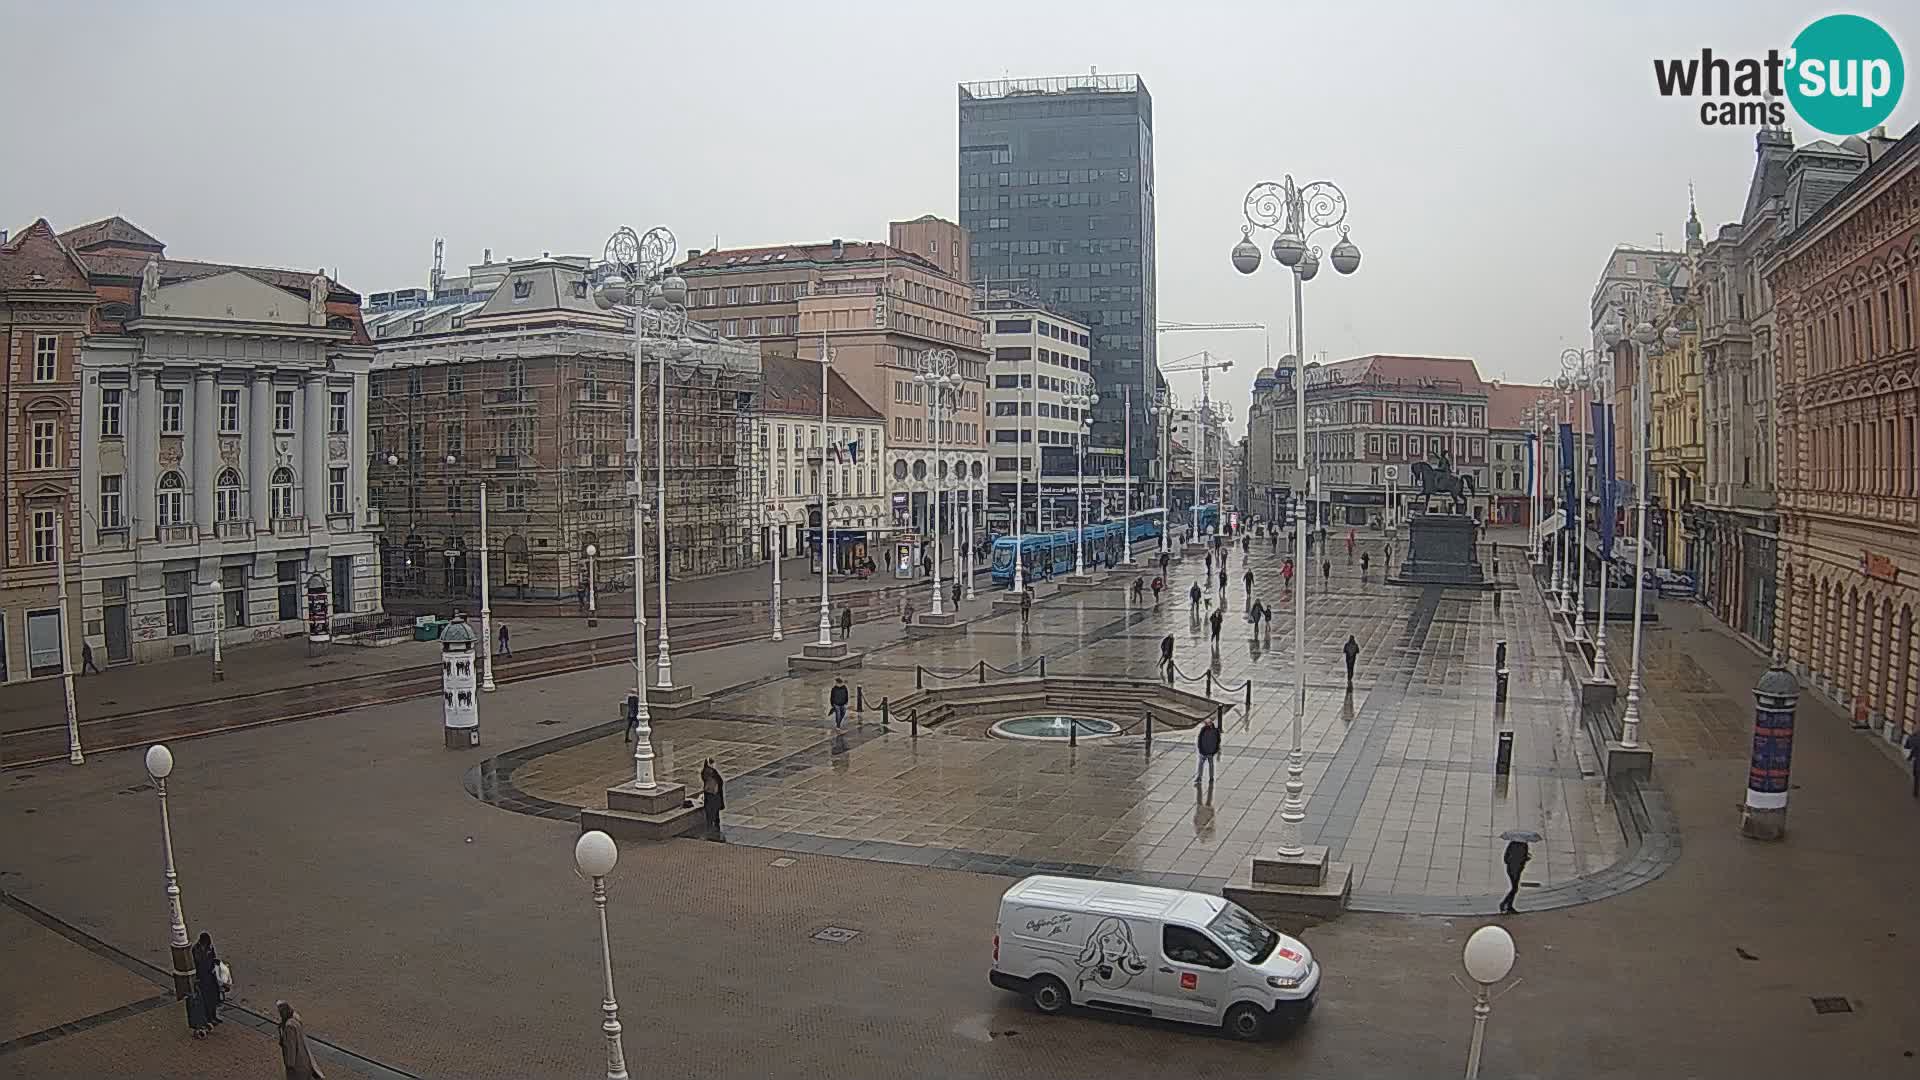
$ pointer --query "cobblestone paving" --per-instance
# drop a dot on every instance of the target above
(1399, 769)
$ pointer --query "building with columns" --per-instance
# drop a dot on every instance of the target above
(44, 303)
(1844, 283)
(791, 441)
(223, 444)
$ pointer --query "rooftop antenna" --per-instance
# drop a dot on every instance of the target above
(439, 272)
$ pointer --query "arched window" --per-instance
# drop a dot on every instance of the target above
(280, 490)
(226, 496)
(171, 499)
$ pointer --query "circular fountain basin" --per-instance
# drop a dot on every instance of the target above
(1056, 729)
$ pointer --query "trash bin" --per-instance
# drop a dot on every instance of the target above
(427, 628)
(1503, 759)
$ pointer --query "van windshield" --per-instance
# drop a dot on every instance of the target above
(1249, 938)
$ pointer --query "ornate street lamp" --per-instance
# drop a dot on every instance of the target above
(939, 372)
(1296, 215)
(594, 855)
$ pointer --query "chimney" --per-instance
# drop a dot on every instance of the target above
(3, 236)
(486, 255)
(693, 253)
(839, 248)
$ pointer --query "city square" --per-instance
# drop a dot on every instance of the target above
(524, 559)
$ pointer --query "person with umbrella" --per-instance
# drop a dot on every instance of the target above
(1517, 856)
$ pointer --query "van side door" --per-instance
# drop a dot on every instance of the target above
(1191, 976)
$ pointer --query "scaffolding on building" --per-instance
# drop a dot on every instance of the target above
(543, 418)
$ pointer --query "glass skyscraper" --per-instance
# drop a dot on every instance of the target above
(1056, 191)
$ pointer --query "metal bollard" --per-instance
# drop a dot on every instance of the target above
(883, 714)
(1500, 687)
(1249, 699)
(917, 672)
(913, 722)
(1220, 716)
(860, 699)
(1209, 682)
(1496, 596)
(983, 672)
(1503, 759)
(1500, 654)
(1073, 732)
(1149, 715)
(1043, 667)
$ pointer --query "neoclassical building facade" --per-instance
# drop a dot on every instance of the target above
(1844, 285)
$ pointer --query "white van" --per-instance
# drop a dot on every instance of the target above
(1152, 952)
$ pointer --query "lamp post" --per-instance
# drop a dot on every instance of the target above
(971, 481)
(826, 359)
(1576, 366)
(593, 611)
(1645, 336)
(74, 755)
(776, 519)
(939, 373)
(1297, 214)
(595, 855)
(1163, 408)
(633, 260)
(486, 601)
(1488, 957)
(1126, 479)
(1602, 377)
(159, 767)
(219, 630)
(1082, 402)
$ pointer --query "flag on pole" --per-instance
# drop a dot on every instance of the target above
(853, 451)
(1567, 507)
(1603, 450)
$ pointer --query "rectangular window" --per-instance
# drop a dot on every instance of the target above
(337, 413)
(287, 588)
(730, 328)
(229, 411)
(516, 496)
(283, 410)
(46, 358)
(179, 590)
(110, 413)
(43, 536)
(733, 295)
(112, 515)
(337, 490)
(44, 439)
(342, 584)
(456, 381)
(233, 595)
(753, 294)
(171, 408)
(753, 327)
(456, 436)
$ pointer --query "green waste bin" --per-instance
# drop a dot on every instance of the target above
(427, 628)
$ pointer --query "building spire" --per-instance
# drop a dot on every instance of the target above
(1694, 242)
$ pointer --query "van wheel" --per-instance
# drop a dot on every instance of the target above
(1049, 995)
(1245, 1021)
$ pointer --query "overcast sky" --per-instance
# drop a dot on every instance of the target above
(1491, 155)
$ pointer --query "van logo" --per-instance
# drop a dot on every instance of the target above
(1052, 926)
(1110, 958)
(1189, 981)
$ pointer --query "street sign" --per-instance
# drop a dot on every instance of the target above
(1393, 472)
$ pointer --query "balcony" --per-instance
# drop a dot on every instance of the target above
(110, 538)
(178, 534)
(290, 526)
(234, 529)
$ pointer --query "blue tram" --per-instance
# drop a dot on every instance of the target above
(1106, 542)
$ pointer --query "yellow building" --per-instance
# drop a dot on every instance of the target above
(1676, 445)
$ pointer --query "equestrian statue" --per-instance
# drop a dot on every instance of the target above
(1438, 478)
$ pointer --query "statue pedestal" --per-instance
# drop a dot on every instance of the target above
(1441, 551)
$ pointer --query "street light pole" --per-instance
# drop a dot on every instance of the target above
(1297, 214)
(1126, 480)
(826, 358)
(1645, 336)
(159, 767)
(594, 854)
(486, 602)
(969, 544)
(775, 519)
(593, 610)
(74, 754)
(1163, 405)
(939, 374)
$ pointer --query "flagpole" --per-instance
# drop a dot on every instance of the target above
(1126, 481)
(826, 358)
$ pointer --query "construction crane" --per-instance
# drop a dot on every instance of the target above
(1181, 327)
(1207, 412)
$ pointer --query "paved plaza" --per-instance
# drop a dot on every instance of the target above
(1401, 770)
(422, 911)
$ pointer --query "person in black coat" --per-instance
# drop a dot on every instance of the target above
(714, 798)
(1213, 627)
(1516, 858)
(205, 982)
(1166, 657)
(1209, 749)
(837, 701)
(1352, 650)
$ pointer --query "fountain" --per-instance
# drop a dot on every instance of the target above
(1053, 728)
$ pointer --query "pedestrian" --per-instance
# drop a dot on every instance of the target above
(1516, 859)
(1209, 750)
(1166, 657)
(837, 701)
(1246, 580)
(1352, 650)
(1913, 758)
(506, 645)
(1213, 628)
(1254, 615)
(956, 593)
(1349, 544)
(906, 613)
(1365, 561)
(1268, 619)
(1209, 563)
(1026, 606)
(206, 981)
(1275, 536)
(1326, 573)
(1223, 580)
(1139, 588)
(86, 659)
(296, 1057)
(1193, 594)
(633, 716)
(1286, 573)
(714, 798)
(926, 565)
(846, 623)
(1387, 551)
(1164, 557)
(580, 597)
(1158, 584)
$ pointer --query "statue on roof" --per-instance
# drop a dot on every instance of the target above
(317, 290)
(150, 280)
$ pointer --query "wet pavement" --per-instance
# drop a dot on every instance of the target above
(1399, 769)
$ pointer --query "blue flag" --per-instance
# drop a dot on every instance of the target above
(1603, 452)
(1568, 520)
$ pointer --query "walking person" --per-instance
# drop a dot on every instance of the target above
(1913, 756)
(633, 716)
(846, 623)
(1256, 615)
(1516, 858)
(1326, 574)
(1246, 581)
(506, 642)
(1209, 750)
(86, 659)
(1166, 657)
(906, 613)
(1286, 573)
(1158, 584)
(956, 590)
(1139, 588)
(1193, 594)
(1352, 649)
(1275, 536)
(1026, 607)
(1209, 563)
(1164, 557)
(1223, 581)
(926, 565)
(206, 982)
(837, 701)
(1213, 628)
(296, 1057)
(1365, 561)
(1387, 553)
(714, 795)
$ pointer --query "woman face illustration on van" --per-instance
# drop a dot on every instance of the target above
(1110, 958)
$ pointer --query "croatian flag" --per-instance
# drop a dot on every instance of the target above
(850, 450)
